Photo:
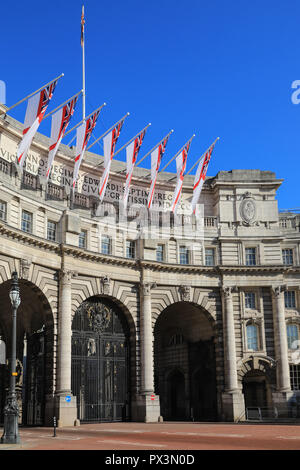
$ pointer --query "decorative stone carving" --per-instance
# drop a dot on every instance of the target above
(146, 287)
(277, 290)
(65, 275)
(185, 293)
(105, 285)
(99, 316)
(248, 209)
(228, 290)
(25, 266)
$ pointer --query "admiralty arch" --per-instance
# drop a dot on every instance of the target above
(146, 317)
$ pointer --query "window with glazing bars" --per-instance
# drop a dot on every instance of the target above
(3, 210)
(82, 239)
(249, 299)
(105, 245)
(250, 256)
(26, 221)
(183, 255)
(130, 249)
(289, 299)
(287, 256)
(160, 253)
(209, 256)
(51, 230)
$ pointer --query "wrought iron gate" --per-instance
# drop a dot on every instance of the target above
(100, 355)
(35, 380)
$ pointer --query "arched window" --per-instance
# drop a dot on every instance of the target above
(292, 331)
(252, 337)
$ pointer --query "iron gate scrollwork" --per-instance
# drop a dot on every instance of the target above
(100, 356)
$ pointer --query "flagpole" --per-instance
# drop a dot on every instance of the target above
(202, 155)
(82, 120)
(61, 105)
(177, 154)
(83, 64)
(106, 132)
(150, 151)
(29, 96)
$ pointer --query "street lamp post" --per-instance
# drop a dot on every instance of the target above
(11, 409)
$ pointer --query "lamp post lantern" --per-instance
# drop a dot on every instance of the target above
(11, 409)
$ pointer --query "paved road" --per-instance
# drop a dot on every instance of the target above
(161, 437)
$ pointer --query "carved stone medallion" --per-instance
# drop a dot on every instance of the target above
(248, 209)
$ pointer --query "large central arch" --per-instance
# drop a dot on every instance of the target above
(184, 362)
(100, 377)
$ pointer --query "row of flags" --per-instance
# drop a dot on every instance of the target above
(35, 112)
(61, 117)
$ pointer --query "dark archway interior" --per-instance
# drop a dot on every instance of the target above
(185, 370)
(255, 389)
(34, 350)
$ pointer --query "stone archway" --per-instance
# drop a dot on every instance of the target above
(257, 377)
(184, 347)
(100, 377)
(35, 358)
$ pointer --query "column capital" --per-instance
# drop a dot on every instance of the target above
(278, 290)
(145, 287)
(228, 290)
(66, 275)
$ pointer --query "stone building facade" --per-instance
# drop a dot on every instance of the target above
(144, 316)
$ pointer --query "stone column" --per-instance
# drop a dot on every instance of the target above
(232, 398)
(147, 366)
(147, 406)
(231, 382)
(281, 347)
(65, 408)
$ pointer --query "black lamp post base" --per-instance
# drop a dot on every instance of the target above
(11, 427)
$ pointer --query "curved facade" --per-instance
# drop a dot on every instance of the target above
(144, 316)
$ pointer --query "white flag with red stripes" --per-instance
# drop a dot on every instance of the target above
(200, 177)
(132, 151)
(180, 166)
(35, 112)
(60, 122)
(156, 157)
(109, 145)
(83, 134)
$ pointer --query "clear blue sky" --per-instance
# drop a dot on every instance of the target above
(213, 68)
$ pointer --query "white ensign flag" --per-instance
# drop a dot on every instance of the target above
(132, 151)
(156, 157)
(109, 145)
(60, 122)
(200, 177)
(180, 167)
(35, 112)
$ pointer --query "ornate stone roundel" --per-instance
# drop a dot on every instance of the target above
(248, 209)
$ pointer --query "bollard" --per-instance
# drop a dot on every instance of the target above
(54, 426)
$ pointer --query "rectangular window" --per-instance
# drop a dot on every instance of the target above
(289, 299)
(292, 336)
(183, 255)
(105, 245)
(252, 337)
(250, 256)
(3, 210)
(295, 376)
(287, 256)
(249, 299)
(209, 256)
(82, 239)
(26, 222)
(130, 249)
(160, 253)
(51, 230)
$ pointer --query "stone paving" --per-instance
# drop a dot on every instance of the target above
(160, 437)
